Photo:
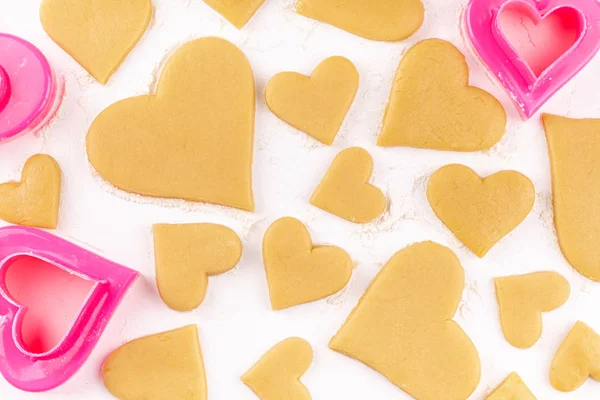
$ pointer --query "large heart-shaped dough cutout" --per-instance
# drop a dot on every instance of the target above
(238, 12)
(36, 199)
(276, 376)
(297, 271)
(186, 255)
(523, 298)
(513, 388)
(345, 190)
(164, 366)
(193, 139)
(432, 106)
(98, 34)
(403, 327)
(478, 211)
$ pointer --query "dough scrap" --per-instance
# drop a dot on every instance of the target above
(192, 140)
(237, 12)
(276, 376)
(98, 34)
(35, 200)
(403, 328)
(298, 272)
(431, 105)
(513, 388)
(186, 255)
(164, 366)
(478, 211)
(345, 191)
(316, 104)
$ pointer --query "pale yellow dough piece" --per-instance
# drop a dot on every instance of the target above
(35, 200)
(238, 12)
(186, 255)
(513, 388)
(403, 327)
(98, 34)
(345, 190)
(523, 298)
(479, 211)
(298, 272)
(577, 359)
(276, 376)
(431, 105)
(385, 20)
(165, 366)
(316, 104)
(193, 139)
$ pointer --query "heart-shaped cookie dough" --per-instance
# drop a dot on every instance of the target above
(345, 190)
(238, 12)
(98, 34)
(577, 359)
(165, 366)
(432, 106)
(386, 20)
(523, 298)
(297, 271)
(36, 199)
(276, 376)
(316, 104)
(513, 388)
(193, 139)
(403, 327)
(186, 255)
(478, 211)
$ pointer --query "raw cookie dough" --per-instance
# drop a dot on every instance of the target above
(98, 34)
(297, 271)
(35, 200)
(513, 388)
(186, 255)
(276, 376)
(431, 105)
(403, 327)
(577, 359)
(523, 298)
(165, 366)
(478, 211)
(238, 12)
(316, 104)
(574, 148)
(345, 190)
(386, 20)
(193, 139)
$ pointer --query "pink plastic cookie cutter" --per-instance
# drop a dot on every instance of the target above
(30, 93)
(40, 372)
(528, 91)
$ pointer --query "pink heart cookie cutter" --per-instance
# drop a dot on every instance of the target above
(35, 372)
(528, 91)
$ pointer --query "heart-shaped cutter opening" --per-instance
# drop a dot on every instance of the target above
(4, 88)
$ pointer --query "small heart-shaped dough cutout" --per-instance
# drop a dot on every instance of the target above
(316, 104)
(36, 199)
(165, 366)
(345, 190)
(523, 298)
(298, 272)
(238, 12)
(513, 388)
(186, 255)
(432, 105)
(478, 211)
(276, 376)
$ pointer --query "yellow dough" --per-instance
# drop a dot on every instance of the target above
(238, 12)
(297, 271)
(386, 20)
(276, 376)
(478, 211)
(193, 139)
(35, 200)
(186, 255)
(165, 366)
(403, 327)
(431, 105)
(345, 190)
(98, 34)
(577, 359)
(316, 104)
(513, 388)
(523, 298)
